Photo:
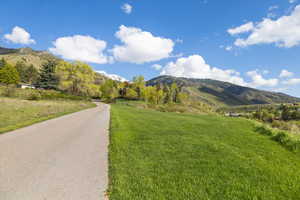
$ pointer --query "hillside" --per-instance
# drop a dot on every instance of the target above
(220, 93)
(27, 55)
(36, 58)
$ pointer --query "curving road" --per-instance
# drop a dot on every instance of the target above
(60, 159)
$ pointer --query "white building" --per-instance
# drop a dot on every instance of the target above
(26, 86)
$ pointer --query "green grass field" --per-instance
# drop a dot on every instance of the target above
(169, 156)
(16, 113)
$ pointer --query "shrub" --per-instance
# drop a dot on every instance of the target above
(294, 128)
(287, 141)
(284, 138)
(9, 91)
(34, 96)
(281, 137)
(287, 126)
(262, 129)
(276, 124)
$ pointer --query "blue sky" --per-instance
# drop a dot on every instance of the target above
(252, 42)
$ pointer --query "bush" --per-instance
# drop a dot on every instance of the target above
(284, 138)
(276, 124)
(34, 96)
(262, 129)
(287, 141)
(56, 95)
(281, 137)
(9, 91)
(286, 126)
(280, 125)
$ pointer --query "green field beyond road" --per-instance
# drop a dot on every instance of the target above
(17, 113)
(171, 156)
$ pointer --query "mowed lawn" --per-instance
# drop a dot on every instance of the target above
(16, 113)
(172, 156)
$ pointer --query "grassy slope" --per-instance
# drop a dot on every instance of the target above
(26, 55)
(173, 156)
(210, 99)
(15, 113)
(223, 93)
(28, 59)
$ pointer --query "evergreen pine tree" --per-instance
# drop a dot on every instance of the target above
(48, 79)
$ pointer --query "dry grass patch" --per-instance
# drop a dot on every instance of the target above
(16, 113)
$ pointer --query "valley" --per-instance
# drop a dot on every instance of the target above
(170, 137)
(150, 100)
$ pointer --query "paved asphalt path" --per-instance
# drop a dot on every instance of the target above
(59, 159)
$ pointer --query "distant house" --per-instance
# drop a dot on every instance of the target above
(26, 86)
(231, 114)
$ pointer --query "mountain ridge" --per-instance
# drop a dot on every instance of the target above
(26, 55)
(213, 92)
(219, 93)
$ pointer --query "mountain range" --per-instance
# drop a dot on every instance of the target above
(213, 92)
(220, 93)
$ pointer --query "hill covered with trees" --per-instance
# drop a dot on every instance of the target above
(218, 93)
(79, 79)
(45, 71)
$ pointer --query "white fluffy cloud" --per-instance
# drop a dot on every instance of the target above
(228, 48)
(113, 76)
(284, 32)
(156, 67)
(19, 36)
(127, 8)
(259, 81)
(292, 81)
(195, 67)
(285, 73)
(140, 46)
(241, 29)
(80, 47)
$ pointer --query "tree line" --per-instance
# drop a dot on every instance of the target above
(80, 79)
(283, 112)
